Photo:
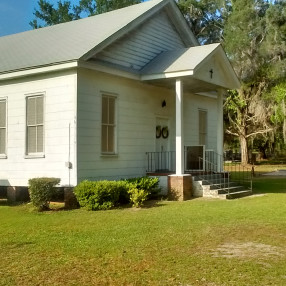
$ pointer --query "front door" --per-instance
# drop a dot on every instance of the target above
(163, 154)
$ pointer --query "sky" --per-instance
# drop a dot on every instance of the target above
(15, 15)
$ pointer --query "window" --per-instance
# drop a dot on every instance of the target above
(202, 127)
(3, 126)
(108, 124)
(35, 124)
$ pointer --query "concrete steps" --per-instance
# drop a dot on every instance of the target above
(218, 186)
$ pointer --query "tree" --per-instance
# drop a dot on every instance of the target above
(255, 64)
(206, 18)
(47, 14)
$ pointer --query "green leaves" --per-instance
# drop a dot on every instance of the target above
(47, 14)
(41, 191)
(104, 195)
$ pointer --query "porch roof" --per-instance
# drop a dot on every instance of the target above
(202, 68)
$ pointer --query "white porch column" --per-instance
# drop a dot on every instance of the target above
(179, 128)
(220, 129)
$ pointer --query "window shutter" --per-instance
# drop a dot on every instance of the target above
(3, 114)
(39, 110)
(35, 124)
(104, 138)
(108, 124)
(31, 111)
(111, 117)
(104, 110)
(2, 126)
(2, 141)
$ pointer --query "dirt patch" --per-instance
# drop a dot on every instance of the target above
(248, 250)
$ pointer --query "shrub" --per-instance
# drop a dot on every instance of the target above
(150, 185)
(138, 197)
(41, 191)
(100, 195)
(103, 195)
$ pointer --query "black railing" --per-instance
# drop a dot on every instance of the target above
(161, 162)
(211, 167)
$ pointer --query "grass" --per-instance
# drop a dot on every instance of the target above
(197, 242)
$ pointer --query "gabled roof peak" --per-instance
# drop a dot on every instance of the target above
(78, 39)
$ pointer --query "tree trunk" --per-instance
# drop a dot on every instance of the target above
(284, 120)
(244, 149)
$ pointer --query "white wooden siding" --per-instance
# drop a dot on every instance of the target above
(138, 106)
(138, 48)
(192, 105)
(60, 94)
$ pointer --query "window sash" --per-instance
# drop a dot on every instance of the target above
(3, 125)
(35, 124)
(108, 124)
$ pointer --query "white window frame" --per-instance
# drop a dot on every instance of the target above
(205, 133)
(4, 99)
(114, 125)
(35, 154)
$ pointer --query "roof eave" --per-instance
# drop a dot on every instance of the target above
(7, 75)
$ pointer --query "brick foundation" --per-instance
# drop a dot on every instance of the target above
(180, 187)
(17, 194)
(70, 199)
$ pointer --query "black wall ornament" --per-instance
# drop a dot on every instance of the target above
(158, 131)
(165, 132)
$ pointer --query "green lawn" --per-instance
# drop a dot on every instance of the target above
(197, 242)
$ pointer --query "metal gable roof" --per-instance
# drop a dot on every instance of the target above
(179, 60)
(68, 41)
(195, 62)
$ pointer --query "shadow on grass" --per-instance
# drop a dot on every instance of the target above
(5, 202)
(153, 204)
(275, 184)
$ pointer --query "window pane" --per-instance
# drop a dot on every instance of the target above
(39, 110)
(40, 139)
(104, 138)
(105, 110)
(32, 135)
(202, 121)
(111, 139)
(2, 141)
(202, 127)
(31, 111)
(2, 113)
(111, 110)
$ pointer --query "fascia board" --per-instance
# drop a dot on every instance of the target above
(176, 74)
(38, 70)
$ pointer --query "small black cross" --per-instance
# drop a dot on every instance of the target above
(211, 72)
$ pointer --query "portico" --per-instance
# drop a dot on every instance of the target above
(202, 70)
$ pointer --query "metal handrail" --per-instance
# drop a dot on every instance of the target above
(215, 170)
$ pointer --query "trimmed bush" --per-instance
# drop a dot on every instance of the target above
(150, 185)
(100, 195)
(137, 197)
(41, 191)
(104, 195)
